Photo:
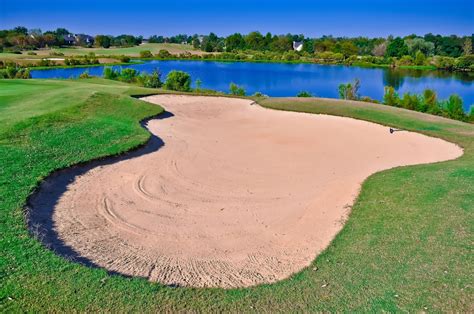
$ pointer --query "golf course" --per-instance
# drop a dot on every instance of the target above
(401, 240)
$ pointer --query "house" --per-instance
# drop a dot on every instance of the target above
(144, 41)
(298, 45)
(84, 39)
(69, 39)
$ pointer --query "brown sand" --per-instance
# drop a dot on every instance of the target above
(237, 196)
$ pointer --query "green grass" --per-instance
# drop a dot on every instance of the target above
(113, 51)
(407, 245)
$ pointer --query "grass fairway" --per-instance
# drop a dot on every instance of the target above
(406, 246)
(114, 51)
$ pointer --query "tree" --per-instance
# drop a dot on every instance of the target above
(102, 41)
(420, 58)
(397, 48)
(234, 42)
(254, 41)
(419, 44)
(282, 44)
(347, 48)
(467, 47)
(324, 45)
(380, 49)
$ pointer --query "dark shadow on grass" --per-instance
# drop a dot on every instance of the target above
(41, 205)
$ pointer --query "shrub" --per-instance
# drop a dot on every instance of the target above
(128, 75)
(146, 54)
(454, 108)
(420, 58)
(32, 53)
(198, 84)
(14, 72)
(164, 54)
(391, 97)
(236, 90)
(304, 94)
(153, 80)
(465, 62)
(259, 94)
(349, 91)
(368, 99)
(178, 81)
(405, 60)
(85, 75)
(56, 54)
(124, 59)
(111, 74)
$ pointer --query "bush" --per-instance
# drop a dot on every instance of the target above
(236, 90)
(304, 94)
(390, 97)
(259, 95)
(14, 72)
(124, 59)
(32, 53)
(146, 54)
(85, 75)
(56, 54)
(178, 81)
(111, 74)
(420, 58)
(128, 75)
(465, 62)
(349, 91)
(153, 80)
(405, 60)
(164, 54)
(454, 108)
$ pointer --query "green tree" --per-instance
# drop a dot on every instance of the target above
(467, 47)
(420, 58)
(234, 42)
(397, 48)
(102, 41)
(178, 81)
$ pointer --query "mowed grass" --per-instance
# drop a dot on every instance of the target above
(406, 246)
(113, 51)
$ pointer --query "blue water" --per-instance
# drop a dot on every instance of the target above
(279, 79)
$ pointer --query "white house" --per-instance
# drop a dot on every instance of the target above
(298, 45)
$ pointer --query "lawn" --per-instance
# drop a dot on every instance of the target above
(129, 51)
(406, 246)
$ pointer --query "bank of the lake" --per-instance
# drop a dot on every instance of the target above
(288, 79)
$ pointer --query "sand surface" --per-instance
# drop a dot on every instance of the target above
(229, 195)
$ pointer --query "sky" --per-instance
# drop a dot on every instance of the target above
(372, 18)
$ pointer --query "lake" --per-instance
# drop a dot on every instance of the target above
(280, 79)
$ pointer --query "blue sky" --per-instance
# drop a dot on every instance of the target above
(313, 18)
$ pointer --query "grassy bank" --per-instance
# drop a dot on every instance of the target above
(406, 246)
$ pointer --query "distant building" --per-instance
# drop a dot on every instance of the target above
(69, 39)
(145, 41)
(78, 39)
(298, 45)
(82, 38)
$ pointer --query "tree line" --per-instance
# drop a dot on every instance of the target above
(21, 38)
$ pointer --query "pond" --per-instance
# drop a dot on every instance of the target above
(280, 79)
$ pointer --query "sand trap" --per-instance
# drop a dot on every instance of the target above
(238, 195)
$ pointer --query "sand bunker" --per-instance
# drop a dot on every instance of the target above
(232, 195)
